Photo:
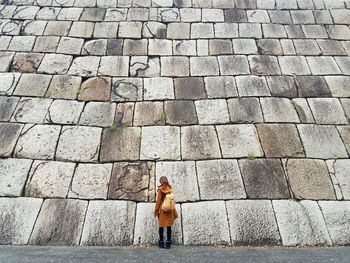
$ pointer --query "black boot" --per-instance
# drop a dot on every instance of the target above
(161, 243)
(168, 244)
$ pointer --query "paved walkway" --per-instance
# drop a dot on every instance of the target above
(29, 254)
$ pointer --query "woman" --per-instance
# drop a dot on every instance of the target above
(165, 219)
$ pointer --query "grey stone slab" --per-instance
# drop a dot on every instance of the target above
(220, 179)
(309, 179)
(120, 144)
(71, 13)
(64, 112)
(98, 114)
(178, 31)
(95, 89)
(202, 30)
(344, 64)
(346, 107)
(57, 28)
(264, 179)
(282, 86)
(26, 62)
(13, 176)
(331, 47)
(339, 32)
(225, 30)
(189, 88)
(66, 231)
(160, 143)
(303, 110)
(17, 219)
(250, 30)
(144, 66)
(180, 112)
(274, 31)
(301, 223)
(264, 65)
(233, 65)
(79, 143)
(239, 140)
(306, 47)
(220, 87)
(262, 228)
(323, 66)
(258, 16)
(90, 181)
(323, 16)
(244, 110)
(32, 85)
(252, 86)
(81, 29)
(338, 85)
(280, 140)
(244, 46)
(159, 47)
(336, 215)
(175, 66)
(127, 89)
(278, 110)
(154, 29)
(70, 45)
(314, 31)
(64, 87)
(132, 181)
(135, 47)
(84, 66)
(212, 111)
(327, 111)
(117, 66)
(158, 88)
(182, 177)
(321, 141)
(31, 110)
(302, 17)
(294, 65)
(341, 169)
(235, 15)
(149, 113)
(96, 47)
(146, 226)
(204, 66)
(106, 30)
(21, 43)
(206, 228)
(49, 179)
(130, 29)
(9, 133)
(46, 44)
(114, 47)
(37, 142)
(185, 47)
(294, 31)
(124, 114)
(220, 47)
(55, 64)
(109, 223)
(269, 47)
(312, 86)
(199, 142)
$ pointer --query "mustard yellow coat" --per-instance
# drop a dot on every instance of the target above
(165, 219)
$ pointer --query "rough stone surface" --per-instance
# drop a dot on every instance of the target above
(264, 179)
(64, 87)
(180, 112)
(189, 88)
(7, 107)
(262, 227)
(98, 114)
(301, 223)
(220, 179)
(31, 110)
(149, 113)
(341, 169)
(9, 133)
(146, 226)
(200, 229)
(96, 89)
(66, 231)
(109, 223)
(212, 111)
(17, 219)
(278, 110)
(64, 112)
(327, 111)
(245, 110)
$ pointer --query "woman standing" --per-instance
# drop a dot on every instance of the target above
(165, 219)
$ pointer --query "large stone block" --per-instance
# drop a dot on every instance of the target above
(312, 86)
(162, 142)
(8, 82)
(64, 112)
(327, 111)
(59, 223)
(252, 222)
(280, 140)
(37, 141)
(278, 110)
(239, 140)
(182, 177)
(199, 142)
(321, 141)
(264, 65)
(64, 87)
(49, 179)
(127, 89)
(180, 112)
(220, 179)
(205, 223)
(98, 114)
(149, 113)
(90, 181)
(301, 223)
(17, 218)
(120, 144)
(342, 171)
(233, 65)
(309, 179)
(79, 143)
(337, 217)
(220, 87)
(96, 88)
(189, 88)
(132, 181)
(264, 179)
(212, 111)
(245, 110)
(294, 65)
(13, 176)
(146, 226)
(252, 86)
(7, 107)
(109, 223)
(31, 110)
(9, 133)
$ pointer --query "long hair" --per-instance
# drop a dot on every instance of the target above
(163, 181)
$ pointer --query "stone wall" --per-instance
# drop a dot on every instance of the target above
(243, 104)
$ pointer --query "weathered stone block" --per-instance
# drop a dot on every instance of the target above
(31, 110)
(245, 110)
(174, 66)
(9, 82)
(312, 86)
(264, 179)
(64, 112)
(264, 65)
(327, 111)
(98, 114)
(262, 228)
(158, 88)
(32, 85)
(7, 107)
(220, 87)
(342, 169)
(280, 140)
(120, 144)
(144, 66)
(127, 89)
(180, 112)
(79, 143)
(303, 110)
(124, 114)
(49, 179)
(278, 110)
(9, 133)
(233, 65)
(323, 66)
(199, 142)
(301, 223)
(17, 219)
(117, 66)
(162, 142)
(189, 88)
(109, 223)
(294, 65)
(55, 64)
(206, 228)
(204, 66)
(220, 179)
(309, 179)
(132, 181)
(282, 86)
(26, 62)
(149, 113)
(65, 231)
(212, 111)
(85, 66)
(64, 87)
(252, 86)
(338, 85)
(13, 176)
